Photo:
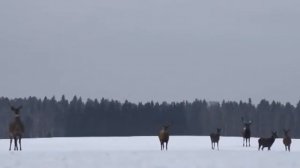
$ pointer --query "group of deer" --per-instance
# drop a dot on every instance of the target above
(246, 133)
(16, 130)
(262, 142)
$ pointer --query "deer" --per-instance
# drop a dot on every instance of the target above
(267, 142)
(287, 140)
(16, 128)
(215, 137)
(246, 132)
(164, 137)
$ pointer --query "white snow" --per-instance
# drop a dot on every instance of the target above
(142, 152)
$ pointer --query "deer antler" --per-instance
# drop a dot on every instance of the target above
(16, 109)
(20, 107)
(13, 108)
(242, 118)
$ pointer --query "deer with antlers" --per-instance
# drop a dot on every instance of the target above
(16, 128)
(246, 132)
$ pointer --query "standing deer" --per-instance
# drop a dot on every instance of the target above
(16, 128)
(164, 137)
(246, 132)
(267, 142)
(215, 137)
(287, 140)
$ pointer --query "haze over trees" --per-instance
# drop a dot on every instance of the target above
(50, 117)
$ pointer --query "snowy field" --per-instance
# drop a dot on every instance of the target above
(142, 152)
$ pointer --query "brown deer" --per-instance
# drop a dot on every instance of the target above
(16, 128)
(246, 132)
(164, 137)
(287, 140)
(215, 137)
(267, 142)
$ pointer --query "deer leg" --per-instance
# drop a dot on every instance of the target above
(17, 147)
(10, 143)
(289, 148)
(20, 137)
(249, 142)
(16, 144)
(218, 145)
(166, 145)
(243, 141)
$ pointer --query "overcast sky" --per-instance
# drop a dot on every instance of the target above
(141, 50)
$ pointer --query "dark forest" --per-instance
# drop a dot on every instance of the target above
(50, 117)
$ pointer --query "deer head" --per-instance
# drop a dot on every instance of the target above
(16, 110)
(165, 127)
(286, 132)
(246, 124)
(274, 134)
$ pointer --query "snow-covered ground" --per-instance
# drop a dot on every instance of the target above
(140, 152)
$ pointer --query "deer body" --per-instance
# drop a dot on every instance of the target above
(16, 129)
(215, 137)
(287, 140)
(246, 132)
(267, 142)
(164, 137)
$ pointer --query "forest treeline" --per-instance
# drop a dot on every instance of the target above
(50, 117)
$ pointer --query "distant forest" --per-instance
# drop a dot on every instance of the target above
(49, 117)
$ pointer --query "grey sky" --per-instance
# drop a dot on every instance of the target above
(141, 50)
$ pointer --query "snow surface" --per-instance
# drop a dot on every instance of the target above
(142, 152)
